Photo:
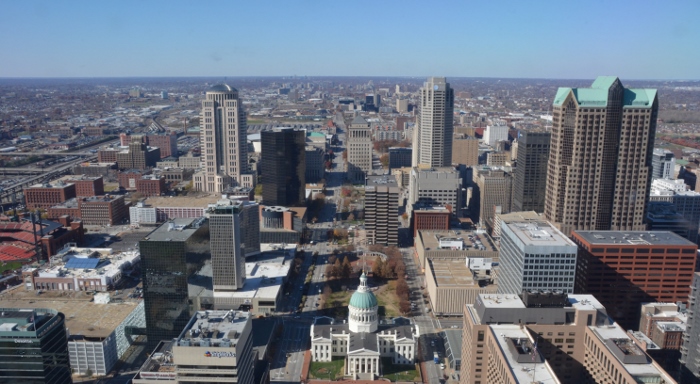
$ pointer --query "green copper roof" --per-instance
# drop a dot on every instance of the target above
(363, 300)
(597, 95)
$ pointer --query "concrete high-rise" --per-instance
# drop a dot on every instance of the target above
(495, 187)
(359, 150)
(531, 171)
(465, 150)
(283, 166)
(600, 161)
(223, 142)
(382, 210)
(432, 136)
(663, 164)
(690, 349)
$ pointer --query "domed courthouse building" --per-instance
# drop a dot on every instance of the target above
(362, 340)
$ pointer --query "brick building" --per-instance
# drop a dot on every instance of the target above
(127, 179)
(625, 268)
(151, 185)
(68, 208)
(138, 156)
(86, 186)
(166, 142)
(103, 210)
(430, 218)
(47, 195)
(107, 155)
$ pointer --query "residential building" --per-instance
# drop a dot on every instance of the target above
(530, 175)
(170, 255)
(314, 164)
(151, 185)
(690, 348)
(382, 210)
(454, 245)
(432, 135)
(465, 150)
(359, 149)
(283, 166)
(495, 132)
(493, 189)
(399, 157)
(214, 346)
(47, 195)
(535, 255)
(451, 283)
(435, 186)
(599, 171)
(663, 164)
(430, 217)
(362, 340)
(223, 140)
(107, 155)
(103, 210)
(549, 337)
(35, 347)
(625, 268)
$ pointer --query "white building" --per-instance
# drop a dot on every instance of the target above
(498, 131)
(141, 214)
(362, 340)
(535, 255)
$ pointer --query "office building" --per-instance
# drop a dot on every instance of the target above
(401, 105)
(283, 166)
(315, 164)
(495, 132)
(432, 136)
(169, 256)
(451, 283)
(661, 330)
(663, 164)
(95, 169)
(47, 195)
(399, 157)
(103, 210)
(430, 217)
(548, 337)
(435, 186)
(451, 245)
(235, 232)
(690, 347)
(359, 150)
(382, 210)
(535, 255)
(35, 347)
(662, 216)
(465, 150)
(224, 146)
(86, 186)
(166, 142)
(493, 190)
(513, 217)
(685, 203)
(530, 175)
(137, 155)
(281, 225)
(624, 269)
(127, 179)
(151, 185)
(599, 171)
(213, 347)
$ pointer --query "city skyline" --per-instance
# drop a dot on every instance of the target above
(510, 40)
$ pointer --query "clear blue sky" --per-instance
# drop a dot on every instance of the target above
(637, 39)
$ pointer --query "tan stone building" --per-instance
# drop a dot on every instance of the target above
(465, 150)
(600, 161)
(359, 150)
(453, 245)
(550, 338)
(451, 284)
(495, 188)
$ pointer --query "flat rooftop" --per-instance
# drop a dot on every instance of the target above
(383, 180)
(101, 199)
(471, 240)
(83, 316)
(523, 216)
(264, 275)
(175, 230)
(57, 185)
(70, 203)
(88, 263)
(538, 234)
(215, 326)
(183, 201)
(633, 238)
(519, 356)
(455, 274)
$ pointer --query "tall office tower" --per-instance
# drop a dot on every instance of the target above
(382, 210)
(663, 164)
(624, 269)
(690, 349)
(283, 166)
(359, 150)
(685, 202)
(531, 171)
(432, 136)
(599, 170)
(495, 187)
(465, 150)
(235, 232)
(169, 256)
(550, 337)
(223, 142)
(34, 346)
(535, 255)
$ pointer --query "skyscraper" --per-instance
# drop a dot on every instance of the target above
(382, 210)
(223, 142)
(599, 170)
(234, 232)
(359, 150)
(690, 350)
(432, 136)
(531, 171)
(283, 166)
(495, 188)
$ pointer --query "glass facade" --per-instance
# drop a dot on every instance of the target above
(283, 166)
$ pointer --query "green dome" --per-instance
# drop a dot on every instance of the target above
(363, 300)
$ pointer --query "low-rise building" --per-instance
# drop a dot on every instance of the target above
(95, 169)
(85, 185)
(103, 210)
(453, 283)
(47, 195)
(430, 218)
(127, 179)
(454, 245)
(151, 185)
(280, 225)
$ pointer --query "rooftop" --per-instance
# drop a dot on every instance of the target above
(464, 240)
(57, 185)
(88, 263)
(456, 274)
(222, 88)
(175, 230)
(183, 201)
(539, 233)
(214, 328)
(597, 95)
(633, 238)
(516, 346)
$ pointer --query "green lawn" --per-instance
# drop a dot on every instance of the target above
(386, 297)
(10, 266)
(322, 370)
(399, 372)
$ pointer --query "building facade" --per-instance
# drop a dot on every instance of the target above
(433, 217)
(530, 175)
(465, 150)
(315, 164)
(223, 141)
(624, 269)
(685, 203)
(283, 166)
(600, 162)
(435, 186)
(86, 186)
(663, 164)
(400, 157)
(359, 149)
(497, 131)
(690, 348)
(432, 136)
(494, 190)
(382, 211)
(47, 195)
(103, 210)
